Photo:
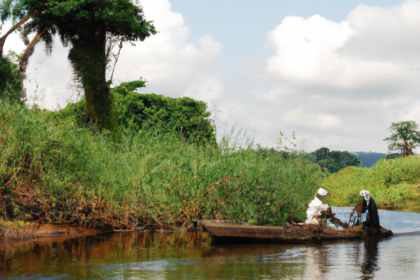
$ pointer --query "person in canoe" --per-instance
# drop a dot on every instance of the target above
(318, 208)
(369, 206)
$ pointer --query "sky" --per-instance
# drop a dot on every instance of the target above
(337, 73)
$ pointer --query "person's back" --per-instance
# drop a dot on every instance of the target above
(316, 207)
(369, 205)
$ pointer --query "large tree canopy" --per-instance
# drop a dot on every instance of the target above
(335, 160)
(405, 136)
(138, 112)
(85, 24)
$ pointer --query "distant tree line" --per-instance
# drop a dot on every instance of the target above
(333, 161)
(330, 161)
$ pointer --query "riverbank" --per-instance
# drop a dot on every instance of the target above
(394, 184)
(54, 171)
(19, 229)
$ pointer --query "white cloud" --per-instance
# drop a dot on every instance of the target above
(343, 83)
(299, 117)
(374, 47)
(172, 64)
(304, 48)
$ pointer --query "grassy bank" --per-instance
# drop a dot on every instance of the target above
(394, 184)
(51, 170)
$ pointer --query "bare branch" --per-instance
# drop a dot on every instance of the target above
(116, 60)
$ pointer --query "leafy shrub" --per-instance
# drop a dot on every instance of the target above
(136, 112)
(333, 161)
(10, 82)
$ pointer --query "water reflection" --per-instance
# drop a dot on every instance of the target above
(182, 255)
(370, 264)
(189, 256)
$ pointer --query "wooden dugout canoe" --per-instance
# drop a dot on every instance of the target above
(223, 232)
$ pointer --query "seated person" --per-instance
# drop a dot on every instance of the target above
(369, 205)
(318, 208)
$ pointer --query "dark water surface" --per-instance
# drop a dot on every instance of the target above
(132, 255)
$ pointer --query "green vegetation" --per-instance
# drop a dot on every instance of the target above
(405, 136)
(394, 184)
(10, 82)
(143, 111)
(15, 228)
(330, 161)
(53, 170)
(84, 24)
(333, 161)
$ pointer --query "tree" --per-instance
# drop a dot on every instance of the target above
(6, 12)
(335, 160)
(85, 25)
(405, 137)
(138, 112)
(11, 82)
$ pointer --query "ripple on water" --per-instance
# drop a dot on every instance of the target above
(181, 256)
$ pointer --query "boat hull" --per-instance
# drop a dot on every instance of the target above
(245, 233)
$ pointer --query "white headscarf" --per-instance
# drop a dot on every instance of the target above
(365, 195)
(323, 192)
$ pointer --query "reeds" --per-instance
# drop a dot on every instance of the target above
(55, 171)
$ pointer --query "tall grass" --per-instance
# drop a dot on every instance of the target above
(394, 184)
(157, 178)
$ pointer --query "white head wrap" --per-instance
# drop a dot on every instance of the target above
(323, 192)
(365, 195)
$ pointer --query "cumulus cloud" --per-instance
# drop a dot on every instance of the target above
(344, 82)
(374, 47)
(299, 117)
(172, 64)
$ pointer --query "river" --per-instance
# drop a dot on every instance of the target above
(162, 255)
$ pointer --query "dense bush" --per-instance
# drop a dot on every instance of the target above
(159, 178)
(395, 184)
(142, 111)
(10, 82)
(333, 161)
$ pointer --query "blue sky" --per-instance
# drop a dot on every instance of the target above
(242, 25)
(337, 73)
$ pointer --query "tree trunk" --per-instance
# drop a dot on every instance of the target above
(3, 39)
(89, 62)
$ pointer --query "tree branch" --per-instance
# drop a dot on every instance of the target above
(3, 39)
(30, 49)
(116, 60)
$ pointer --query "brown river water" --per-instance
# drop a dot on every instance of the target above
(163, 255)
